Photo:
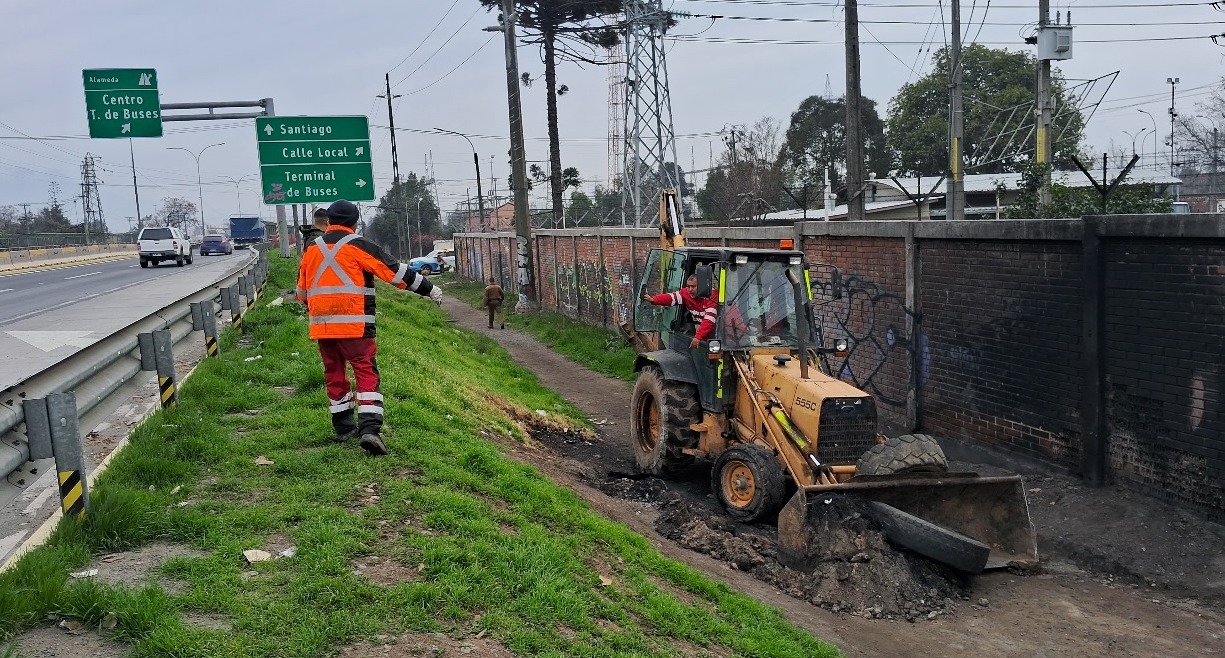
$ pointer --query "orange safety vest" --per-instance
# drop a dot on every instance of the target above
(336, 280)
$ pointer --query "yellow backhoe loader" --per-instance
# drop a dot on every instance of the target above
(757, 400)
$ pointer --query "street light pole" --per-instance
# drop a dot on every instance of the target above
(419, 234)
(199, 183)
(237, 190)
(1173, 82)
(1133, 139)
(480, 199)
(1154, 120)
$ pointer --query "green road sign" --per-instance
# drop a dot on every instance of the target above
(314, 159)
(122, 103)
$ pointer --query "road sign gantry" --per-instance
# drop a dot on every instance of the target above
(314, 159)
(121, 103)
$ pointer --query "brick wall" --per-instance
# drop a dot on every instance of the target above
(1002, 321)
(1164, 366)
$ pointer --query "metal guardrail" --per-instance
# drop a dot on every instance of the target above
(101, 376)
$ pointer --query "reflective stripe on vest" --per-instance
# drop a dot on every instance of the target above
(328, 262)
(340, 319)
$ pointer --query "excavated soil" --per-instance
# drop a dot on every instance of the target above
(1121, 574)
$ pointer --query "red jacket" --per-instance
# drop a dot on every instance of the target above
(704, 311)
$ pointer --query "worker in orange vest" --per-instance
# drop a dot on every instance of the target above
(336, 280)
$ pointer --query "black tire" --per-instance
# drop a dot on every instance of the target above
(426, 269)
(909, 453)
(144, 263)
(930, 540)
(749, 482)
(179, 261)
(660, 415)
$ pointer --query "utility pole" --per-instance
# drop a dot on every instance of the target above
(1044, 155)
(955, 198)
(854, 143)
(391, 124)
(518, 157)
(1173, 115)
(135, 190)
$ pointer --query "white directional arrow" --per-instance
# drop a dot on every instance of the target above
(127, 128)
(360, 183)
(268, 130)
(48, 341)
(361, 150)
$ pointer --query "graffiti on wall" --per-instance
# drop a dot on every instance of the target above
(593, 288)
(882, 354)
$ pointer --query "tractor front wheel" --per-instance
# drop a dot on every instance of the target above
(660, 415)
(749, 482)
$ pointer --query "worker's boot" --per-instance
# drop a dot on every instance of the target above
(372, 444)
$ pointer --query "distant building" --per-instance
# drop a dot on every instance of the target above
(987, 195)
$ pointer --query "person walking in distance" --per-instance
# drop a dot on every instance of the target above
(336, 280)
(318, 225)
(493, 302)
(704, 311)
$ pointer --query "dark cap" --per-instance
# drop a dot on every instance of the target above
(344, 213)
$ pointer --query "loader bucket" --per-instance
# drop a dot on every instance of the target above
(991, 510)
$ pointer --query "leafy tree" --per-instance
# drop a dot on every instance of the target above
(582, 209)
(606, 203)
(396, 224)
(1080, 201)
(816, 141)
(998, 101)
(567, 30)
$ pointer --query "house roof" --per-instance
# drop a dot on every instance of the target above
(977, 183)
(837, 212)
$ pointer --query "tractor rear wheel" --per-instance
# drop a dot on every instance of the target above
(909, 453)
(749, 482)
(660, 415)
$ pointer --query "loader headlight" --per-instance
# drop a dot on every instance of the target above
(714, 347)
(841, 347)
(741, 260)
(794, 260)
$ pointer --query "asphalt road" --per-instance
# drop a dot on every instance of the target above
(47, 316)
(28, 294)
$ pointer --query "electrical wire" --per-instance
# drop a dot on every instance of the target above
(427, 37)
(439, 49)
(456, 68)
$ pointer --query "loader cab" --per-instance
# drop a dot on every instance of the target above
(756, 310)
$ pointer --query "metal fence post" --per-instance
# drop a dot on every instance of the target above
(38, 428)
(69, 454)
(210, 328)
(197, 321)
(147, 360)
(244, 286)
(163, 353)
(225, 299)
(235, 308)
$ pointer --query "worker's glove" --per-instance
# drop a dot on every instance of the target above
(436, 295)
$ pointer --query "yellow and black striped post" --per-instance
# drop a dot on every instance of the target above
(163, 356)
(69, 454)
(235, 306)
(210, 328)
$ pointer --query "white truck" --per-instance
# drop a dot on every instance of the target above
(159, 243)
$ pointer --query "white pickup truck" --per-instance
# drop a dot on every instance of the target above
(159, 243)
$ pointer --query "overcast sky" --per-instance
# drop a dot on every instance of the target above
(329, 58)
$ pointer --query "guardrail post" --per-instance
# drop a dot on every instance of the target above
(69, 454)
(225, 299)
(235, 308)
(244, 286)
(210, 328)
(163, 353)
(38, 428)
(197, 319)
(147, 359)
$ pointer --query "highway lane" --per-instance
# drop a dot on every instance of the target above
(27, 294)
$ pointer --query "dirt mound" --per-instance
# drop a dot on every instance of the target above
(856, 570)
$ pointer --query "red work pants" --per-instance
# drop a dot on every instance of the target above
(359, 354)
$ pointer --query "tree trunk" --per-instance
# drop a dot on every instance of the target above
(550, 83)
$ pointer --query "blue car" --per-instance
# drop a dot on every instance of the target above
(428, 264)
(216, 244)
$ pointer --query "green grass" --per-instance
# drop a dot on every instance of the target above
(484, 543)
(602, 350)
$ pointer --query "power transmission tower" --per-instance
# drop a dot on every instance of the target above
(650, 143)
(615, 57)
(91, 203)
